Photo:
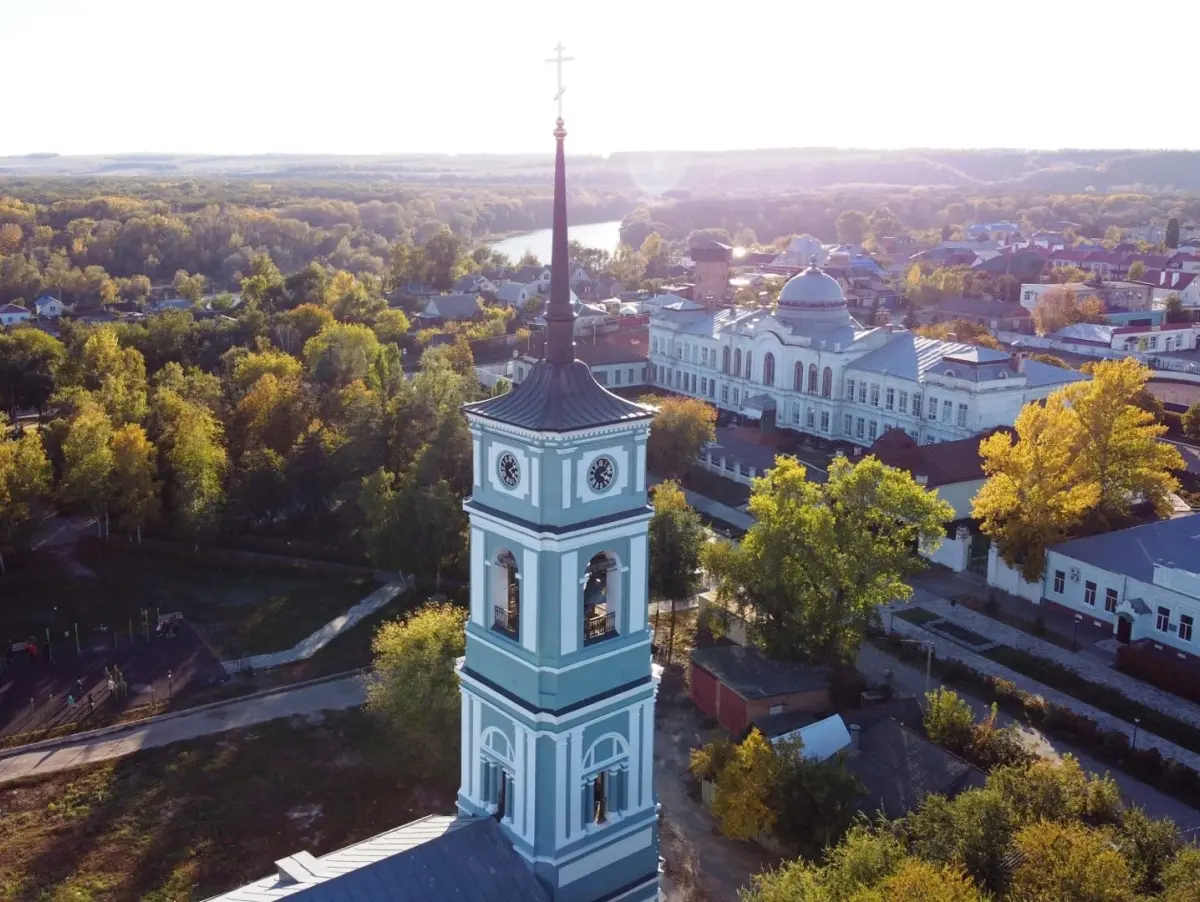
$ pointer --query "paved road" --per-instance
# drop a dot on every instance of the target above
(911, 681)
(347, 692)
(1191, 454)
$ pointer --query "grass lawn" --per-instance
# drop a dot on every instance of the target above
(201, 817)
(917, 615)
(237, 608)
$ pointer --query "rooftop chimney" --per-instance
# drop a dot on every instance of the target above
(855, 730)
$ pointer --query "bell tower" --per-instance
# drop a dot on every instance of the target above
(557, 682)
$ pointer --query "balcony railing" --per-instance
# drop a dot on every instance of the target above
(599, 625)
(506, 620)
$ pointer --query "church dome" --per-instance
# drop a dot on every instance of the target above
(812, 288)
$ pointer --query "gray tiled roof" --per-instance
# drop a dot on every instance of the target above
(1134, 552)
(1038, 374)
(455, 859)
(559, 398)
(752, 675)
(909, 356)
(453, 306)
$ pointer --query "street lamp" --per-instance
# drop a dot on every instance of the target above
(928, 646)
(1137, 721)
(1075, 633)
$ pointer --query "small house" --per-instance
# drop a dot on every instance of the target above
(738, 685)
(449, 307)
(49, 306)
(12, 315)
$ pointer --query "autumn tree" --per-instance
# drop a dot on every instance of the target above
(1031, 498)
(1061, 307)
(1191, 422)
(195, 462)
(681, 428)
(1069, 861)
(1137, 271)
(135, 486)
(340, 354)
(189, 287)
(413, 689)
(391, 326)
(962, 330)
(819, 561)
(29, 364)
(115, 376)
(24, 484)
(88, 463)
(851, 227)
(677, 538)
(744, 786)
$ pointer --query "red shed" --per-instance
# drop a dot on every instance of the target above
(738, 685)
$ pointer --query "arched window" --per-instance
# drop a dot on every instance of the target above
(749, 365)
(499, 773)
(812, 378)
(506, 594)
(827, 383)
(798, 377)
(606, 787)
(601, 598)
(769, 369)
(725, 360)
(737, 362)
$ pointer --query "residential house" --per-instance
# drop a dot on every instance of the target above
(514, 294)
(995, 315)
(1004, 232)
(12, 315)
(737, 685)
(1165, 283)
(1144, 582)
(1142, 339)
(1122, 295)
(537, 278)
(173, 304)
(447, 307)
(617, 358)
(474, 283)
(48, 306)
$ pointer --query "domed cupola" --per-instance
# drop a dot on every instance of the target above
(816, 298)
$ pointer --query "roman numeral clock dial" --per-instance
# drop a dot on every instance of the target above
(601, 473)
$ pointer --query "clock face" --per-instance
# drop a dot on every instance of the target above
(510, 470)
(601, 473)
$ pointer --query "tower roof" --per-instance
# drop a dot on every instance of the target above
(560, 394)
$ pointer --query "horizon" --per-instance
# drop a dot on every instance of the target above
(381, 80)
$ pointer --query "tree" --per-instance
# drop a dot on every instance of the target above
(1060, 307)
(815, 801)
(920, 881)
(29, 364)
(962, 330)
(1031, 498)
(340, 354)
(307, 320)
(1191, 422)
(1061, 792)
(1116, 442)
(249, 368)
(190, 288)
(443, 253)
(1050, 360)
(851, 227)
(681, 428)
(1137, 271)
(135, 488)
(677, 537)
(411, 523)
(949, 720)
(116, 376)
(24, 483)
(413, 689)
(270, 415)
(263, 287)
(88, 463)
(1174, 310)
(391, 326)
(258, 486)
(813, 570)
(744, 786)
(1172, 236)
(973, 831)
(1181, 878)
(194, 463)
(1149, 846)
(1068, 861)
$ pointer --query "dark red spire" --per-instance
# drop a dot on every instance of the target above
(560, 315)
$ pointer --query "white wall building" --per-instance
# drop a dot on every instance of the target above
(11, 315)
(811, 367)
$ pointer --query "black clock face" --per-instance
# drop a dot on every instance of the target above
(601, 473)
(510, 470)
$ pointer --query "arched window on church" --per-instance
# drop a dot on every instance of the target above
(798, 377)
(506, 595)
(749, 365)
(737, 362)
(606, 787)
(827, 383)
(601, 598)
(497, 780)
(812, 378)
(769, 369)
(725, 360)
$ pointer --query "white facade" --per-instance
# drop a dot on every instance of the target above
(11, 315)
(818, 371)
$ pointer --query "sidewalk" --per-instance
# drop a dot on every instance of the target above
(331, 695)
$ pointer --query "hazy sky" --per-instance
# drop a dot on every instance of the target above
(364, 76)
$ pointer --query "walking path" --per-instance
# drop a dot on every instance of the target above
(331, 695)
(947, 649)
(314, 642)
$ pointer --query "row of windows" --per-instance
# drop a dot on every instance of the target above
(617, 375)
(1162, 619)
(899, 401)
(732, 363)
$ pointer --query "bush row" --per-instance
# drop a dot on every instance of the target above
(1111, 746)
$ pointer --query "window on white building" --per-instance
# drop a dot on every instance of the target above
(889, 399)
(796, 414)
(903, 402)
(725, 393)
(631, 375)
(704, 356)
(1089, 593)
(947, 411)
(860, 427)
(1162, 620)
(1110, 600)
(824, 420)
(1185, 627)
(872, 430)
(735, 397)
(962, 414)
(917, 404)
(693, 383)
(850, 389)
(1060, 582)
(616, 377)
(862, 393)
(703, 385)
(810, 419)
(712, 388)
(932, 408)
(1153, 343)
(874, 394)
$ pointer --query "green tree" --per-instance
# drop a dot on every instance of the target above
(1181, 878)
(1172, 237)
(1174, 310)
(1191, 422)
(135, 487)
(341, 354)
(677, 538)
(263, 286)
(1137, 271)
(411, 524)
(1057, 791)
(194, 462)
(851, 227)
(391, 326)
(190, 288)
(1068, 861)
(24, 484)
(1149, 846)
(249, 368)
(681, 428)
(973, 831)
(258, 485)
(949, 721)
(413, 689)
(744, 787)
(813, 570)
(444, 256)
(1031, 498)
(29, 364)
(307, 320)
(116, 376)
(815, 801)
(88, 463)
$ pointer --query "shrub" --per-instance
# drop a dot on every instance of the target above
(708, 761)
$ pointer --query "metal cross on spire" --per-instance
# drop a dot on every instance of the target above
(559, 59)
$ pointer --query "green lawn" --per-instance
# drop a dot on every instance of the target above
(239, 609)
(196, 818)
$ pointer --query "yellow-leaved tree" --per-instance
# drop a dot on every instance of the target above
(744, 786)
(1069, 861)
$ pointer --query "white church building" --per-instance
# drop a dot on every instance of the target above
(811, 367)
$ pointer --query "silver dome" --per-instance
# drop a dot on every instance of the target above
(812, 289)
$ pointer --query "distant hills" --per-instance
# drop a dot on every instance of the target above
(753, 171)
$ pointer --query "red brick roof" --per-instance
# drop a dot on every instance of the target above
(942, 464)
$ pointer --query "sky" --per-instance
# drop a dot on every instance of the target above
(463, 76)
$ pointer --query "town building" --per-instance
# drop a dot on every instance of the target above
(1122, 295)
(737, 685)
(1144, 582)
(1145, 339)
(48, 306)
(557, 798)
(811, 367)
(617, 359)
(442, 308)
(12, 315)
(515, 293)
(712, 259)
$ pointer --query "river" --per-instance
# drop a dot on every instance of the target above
(602, 235)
